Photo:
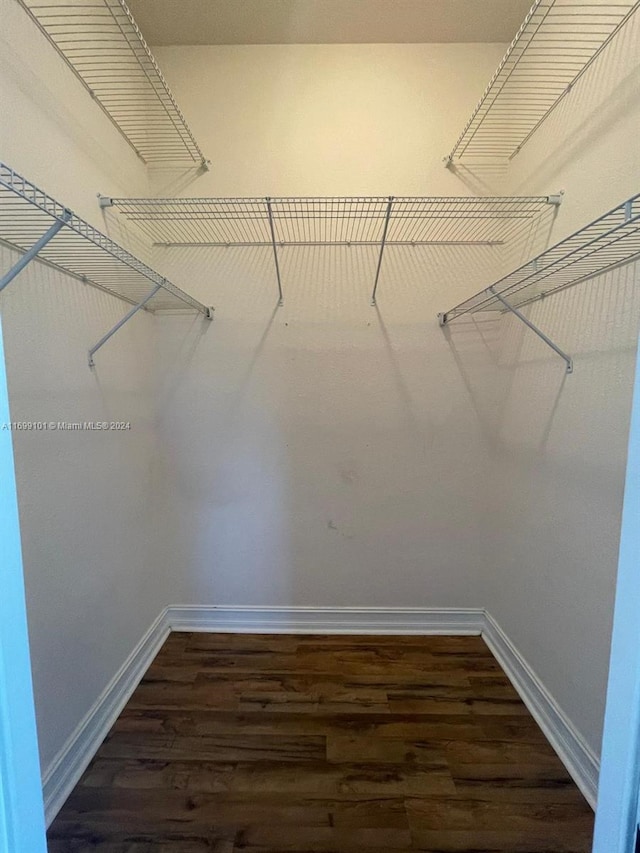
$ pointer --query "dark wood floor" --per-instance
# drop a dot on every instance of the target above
(298, 744)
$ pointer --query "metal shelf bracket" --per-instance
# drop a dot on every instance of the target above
(275, 249)
(532, 326)
(31, 253)
(121, 323)
(443, 318)
(383, 243)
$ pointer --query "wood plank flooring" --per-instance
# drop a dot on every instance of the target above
(324, 744)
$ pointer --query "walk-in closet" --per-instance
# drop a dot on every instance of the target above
(319, 446)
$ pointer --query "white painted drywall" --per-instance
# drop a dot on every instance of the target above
(101, 559)
(324, 453)
(292, 463)
(555, 500)
(85, 498)
(325, 119)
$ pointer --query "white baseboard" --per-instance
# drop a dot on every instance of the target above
(72, 760)
(573, 751)
(67, 767)
(330, 620)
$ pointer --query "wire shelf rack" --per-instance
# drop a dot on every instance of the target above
(101, 43)
(402, 221)
(556, 44)
(607, 242)
(78, 249)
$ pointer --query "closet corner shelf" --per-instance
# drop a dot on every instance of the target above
(556, 44)
(377, 221)
(608, 242)
(101, 43)
(37, 225)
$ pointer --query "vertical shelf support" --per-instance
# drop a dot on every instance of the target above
(31, 253)
(532, 326)
(275, 249)
(383, 242)
(121, 323)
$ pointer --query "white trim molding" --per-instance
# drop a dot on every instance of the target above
(74, 757)
(573, 751)
(70, 763)
(329, 620)
(64, 772)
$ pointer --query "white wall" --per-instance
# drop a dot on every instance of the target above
(85, 498)
(326, 452)
(335, 422)
(362, 119)
(554, 506)
(320, 453)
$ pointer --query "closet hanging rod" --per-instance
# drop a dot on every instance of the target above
(103, 46)
(38, 226)
(557, 43)
(608, 242)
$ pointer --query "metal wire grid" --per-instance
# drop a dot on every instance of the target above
(555, 45)
(102, 44)
(331, 221)
(610, 241)
(26, 213)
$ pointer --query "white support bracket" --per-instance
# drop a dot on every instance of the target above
(121, 323)
(275, 249)
(105, 201)
(383, 243)
(31, 253)
(556, 199)
(532, 326)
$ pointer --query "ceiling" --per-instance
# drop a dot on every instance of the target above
(167, 22)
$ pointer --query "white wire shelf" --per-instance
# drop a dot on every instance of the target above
(556, 44)
(351, 221)
(331, 221)
(103, 46)
(606, 243)
(78, 249)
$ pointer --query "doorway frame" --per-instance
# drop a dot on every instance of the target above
(22, 821)
(619, 782)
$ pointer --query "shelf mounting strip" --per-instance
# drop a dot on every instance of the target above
(340, 221)
(102, 44)
(608, 242)
(39, 226)
(556, 44)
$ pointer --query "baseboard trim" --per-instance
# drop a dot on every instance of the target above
(67, 767)
(334, 620)
(573, 751)
(74, 757)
